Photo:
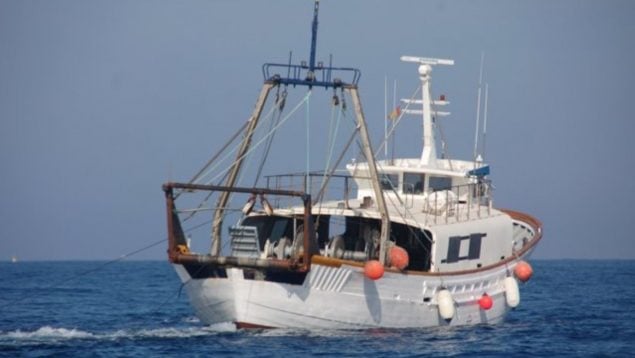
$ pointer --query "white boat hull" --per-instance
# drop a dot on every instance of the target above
(343, 298)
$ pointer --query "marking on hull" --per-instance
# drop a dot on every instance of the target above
(326, 278)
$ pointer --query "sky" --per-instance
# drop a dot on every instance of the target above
(103, 101)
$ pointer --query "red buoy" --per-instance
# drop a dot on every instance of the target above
(523, 271)
(398, 257)
(373, 269)
(485, 302)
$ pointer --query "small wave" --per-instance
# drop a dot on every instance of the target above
(53, 334)
(48, 333)
(191, 319)
(171, 332)
(222, 327)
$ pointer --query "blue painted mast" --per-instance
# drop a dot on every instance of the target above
(314, 29)
(313, 74)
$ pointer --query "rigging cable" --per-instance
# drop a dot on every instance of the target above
(100, 267)
(306, 98)
(333, 131)
(209, 170)
(397, 121)
(209, 162)
(280, 102)
(337, 162)
(307, 179)
(328, 171)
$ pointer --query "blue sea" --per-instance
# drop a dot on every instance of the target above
(135, 308)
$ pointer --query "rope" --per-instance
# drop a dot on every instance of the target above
(87, 272)
(98, 268)
(265, 154)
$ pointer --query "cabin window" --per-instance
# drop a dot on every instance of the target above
(440, 183)
(413, 183)
(389, 181)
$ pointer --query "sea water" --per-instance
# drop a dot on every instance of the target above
(569, 308)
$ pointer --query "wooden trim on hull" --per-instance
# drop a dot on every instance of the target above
(535, 224)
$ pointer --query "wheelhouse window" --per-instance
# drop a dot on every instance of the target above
(440, 183)
(389, 181)
(413, 183)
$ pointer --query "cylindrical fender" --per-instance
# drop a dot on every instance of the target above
(446, 304)
(512, 294)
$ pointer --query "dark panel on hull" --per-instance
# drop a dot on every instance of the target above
(288, 277)
(198, 271)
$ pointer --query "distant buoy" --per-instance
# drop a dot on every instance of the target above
(523, 271)
(512, 294)
(398, 257)
(373, 269)
(485, 302)
(446, 304)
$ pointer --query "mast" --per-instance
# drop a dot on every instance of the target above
(429, 153)
(314, 28)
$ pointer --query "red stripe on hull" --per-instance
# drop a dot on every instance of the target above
(246, 325)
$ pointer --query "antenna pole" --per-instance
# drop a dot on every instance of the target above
(394, 134)
(387, 116)
(478, 106)
(485, 120)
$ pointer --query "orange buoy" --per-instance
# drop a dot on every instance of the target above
(523, 271)
(398, 257)
(373, 269)
(485, 302)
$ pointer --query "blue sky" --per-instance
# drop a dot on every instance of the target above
(103, 101)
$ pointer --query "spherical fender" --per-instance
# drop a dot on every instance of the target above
(485, 302)
(398, 257)
(523, 271)
(374, 270)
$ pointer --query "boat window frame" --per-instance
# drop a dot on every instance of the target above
(433, 181)
(411, 188)
(389, 181)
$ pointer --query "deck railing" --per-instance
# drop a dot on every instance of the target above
(319, 186)
(459, 203)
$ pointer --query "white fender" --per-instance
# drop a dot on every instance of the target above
(512, 294)
(446, 304)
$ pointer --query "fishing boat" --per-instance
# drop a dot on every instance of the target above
(393, 242)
